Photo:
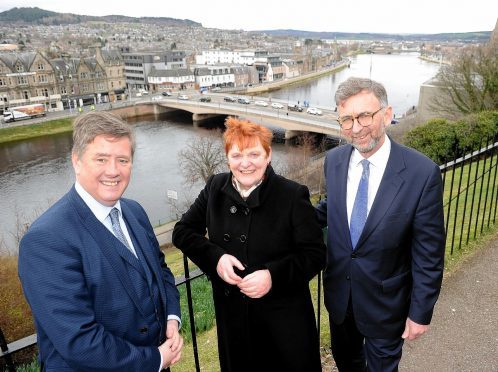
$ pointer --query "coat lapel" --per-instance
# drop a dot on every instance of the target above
(146, 247)
(112, 249)
(388, 189)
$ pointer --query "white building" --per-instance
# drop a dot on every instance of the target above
(217, 56)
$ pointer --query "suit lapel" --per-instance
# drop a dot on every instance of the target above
(388, 189)
(112, 249)
(145, 246)
(340, 182)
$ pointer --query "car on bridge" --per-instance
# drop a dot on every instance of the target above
(229, 99)
(294, 107)
(183, 97)
(277, 105)
(205, 99)
(314, 111)
(244, 101)
(166, 94)
(261, 103)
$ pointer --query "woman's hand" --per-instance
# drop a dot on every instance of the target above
(225, 269)
(257, 284)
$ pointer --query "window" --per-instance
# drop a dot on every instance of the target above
(45, 92)
(41, 66)
(63, 90)
(25, 94)
(2, 82)
(22, 80)
(42, 79)
(19, 68)
(83, 75)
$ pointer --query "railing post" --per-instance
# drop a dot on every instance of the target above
(191, 313)
(5, 348)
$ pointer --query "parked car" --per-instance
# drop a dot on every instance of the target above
(277, 105)
(166, 94)
(244, 101)
(215, 89)
(229, 99)
(314, 111)
(157, 98)
(183, 97)
(205, 99)
(261, 103)
(294, 107)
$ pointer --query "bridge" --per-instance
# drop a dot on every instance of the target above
(293, 122)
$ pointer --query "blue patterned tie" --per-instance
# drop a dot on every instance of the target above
(116, 227)
(359, 213)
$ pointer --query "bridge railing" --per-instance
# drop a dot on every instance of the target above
(470, 202)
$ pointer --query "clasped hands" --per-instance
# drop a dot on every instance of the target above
(171, 349)
(254, 285)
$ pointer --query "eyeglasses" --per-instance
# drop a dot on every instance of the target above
(364, 119)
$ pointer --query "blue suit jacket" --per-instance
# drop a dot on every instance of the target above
(74, 275)
(396, 270)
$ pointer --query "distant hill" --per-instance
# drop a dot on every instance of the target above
(45, 17)
(481, 36)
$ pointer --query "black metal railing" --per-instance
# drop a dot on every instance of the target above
(470, 203)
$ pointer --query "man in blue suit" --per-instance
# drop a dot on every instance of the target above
(101, 294)
(386, 236)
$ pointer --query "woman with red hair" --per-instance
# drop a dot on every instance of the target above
(263, 246)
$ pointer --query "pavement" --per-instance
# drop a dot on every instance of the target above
(463, 335)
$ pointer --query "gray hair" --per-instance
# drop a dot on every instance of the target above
(355, 85)
(88, 126)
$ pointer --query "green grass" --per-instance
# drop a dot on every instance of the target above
(35, 130)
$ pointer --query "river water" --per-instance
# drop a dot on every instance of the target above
(401, 74)
(35, 173)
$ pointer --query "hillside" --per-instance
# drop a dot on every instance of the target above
(479, 37)
(45, 17)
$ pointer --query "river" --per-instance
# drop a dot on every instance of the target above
(35, 173)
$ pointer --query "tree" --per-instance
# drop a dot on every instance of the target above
(470, 83)
(202, 158)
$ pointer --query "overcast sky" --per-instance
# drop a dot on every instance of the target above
(374, 16)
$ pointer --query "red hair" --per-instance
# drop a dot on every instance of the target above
(244, 134)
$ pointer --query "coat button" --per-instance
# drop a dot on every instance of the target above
(348, 278)
(246, 211)
(243, 238)
(233, 209)
(227, 291)
(226, 237)
(144, 330)
(353, 255)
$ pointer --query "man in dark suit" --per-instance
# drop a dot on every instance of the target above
(101, 294)
(386, 236)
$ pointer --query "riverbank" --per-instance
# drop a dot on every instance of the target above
(22, 132)
(275, 85)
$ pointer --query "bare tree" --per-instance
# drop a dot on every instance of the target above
(302, 167)
(470, 83)
(202, 158)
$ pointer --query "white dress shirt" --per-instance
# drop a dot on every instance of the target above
(378, 163)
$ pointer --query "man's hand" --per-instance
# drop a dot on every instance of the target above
(225, 269)
(413, 330)
(257, 284)
(171, 350)
(173, 334)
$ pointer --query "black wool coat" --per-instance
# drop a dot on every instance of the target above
(275, 229)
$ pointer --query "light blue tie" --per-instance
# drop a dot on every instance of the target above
(116, 227)
(359, 213)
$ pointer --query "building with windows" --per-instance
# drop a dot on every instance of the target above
(138, 66)
(27, 78)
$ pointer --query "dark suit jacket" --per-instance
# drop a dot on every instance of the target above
(396, 270)
(74, 275)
